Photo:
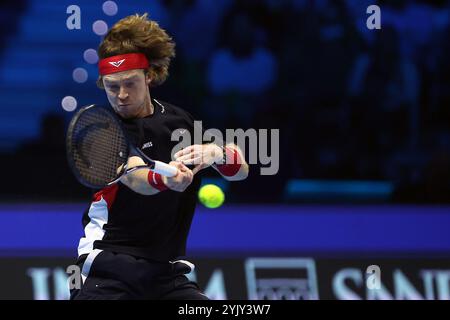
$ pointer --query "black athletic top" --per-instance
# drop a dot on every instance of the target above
(152, 226)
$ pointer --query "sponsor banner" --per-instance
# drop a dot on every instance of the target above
(260, 278)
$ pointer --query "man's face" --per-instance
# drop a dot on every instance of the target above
(127, 92)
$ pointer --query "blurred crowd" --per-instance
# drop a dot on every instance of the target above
(351, 103)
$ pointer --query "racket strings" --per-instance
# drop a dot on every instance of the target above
(100, 147)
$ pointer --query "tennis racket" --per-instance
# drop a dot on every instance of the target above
(98, 149)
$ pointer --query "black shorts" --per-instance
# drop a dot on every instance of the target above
(115, 276)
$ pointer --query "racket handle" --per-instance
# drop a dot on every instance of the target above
(165, 169)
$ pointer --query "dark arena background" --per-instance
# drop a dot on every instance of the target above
(359, 205)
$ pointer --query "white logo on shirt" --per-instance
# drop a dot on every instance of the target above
(147, 145)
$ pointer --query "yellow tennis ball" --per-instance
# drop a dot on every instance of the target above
(211, 196)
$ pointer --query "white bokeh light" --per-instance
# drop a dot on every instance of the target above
(69, 103)
(110, 8)
(100, 27)
(80, 75)
(90, 56)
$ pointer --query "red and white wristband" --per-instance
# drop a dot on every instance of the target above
(231, 162)
(156, 181)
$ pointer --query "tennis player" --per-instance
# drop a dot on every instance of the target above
(135, 231)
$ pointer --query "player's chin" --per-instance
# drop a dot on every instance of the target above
(124, 112)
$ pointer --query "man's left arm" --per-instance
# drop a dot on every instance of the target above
(227, 160)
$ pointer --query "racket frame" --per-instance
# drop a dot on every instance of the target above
(158, 166)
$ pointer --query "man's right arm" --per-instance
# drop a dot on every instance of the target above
(146, 182)
(138, 180)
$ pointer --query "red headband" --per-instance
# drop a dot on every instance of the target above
(122, 62)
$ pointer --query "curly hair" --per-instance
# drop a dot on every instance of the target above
(138, 34)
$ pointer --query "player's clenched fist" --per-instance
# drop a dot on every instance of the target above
(182, 180)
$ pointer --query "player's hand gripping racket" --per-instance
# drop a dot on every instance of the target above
(98, 149)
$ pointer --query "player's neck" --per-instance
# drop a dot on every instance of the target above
(147, 108)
